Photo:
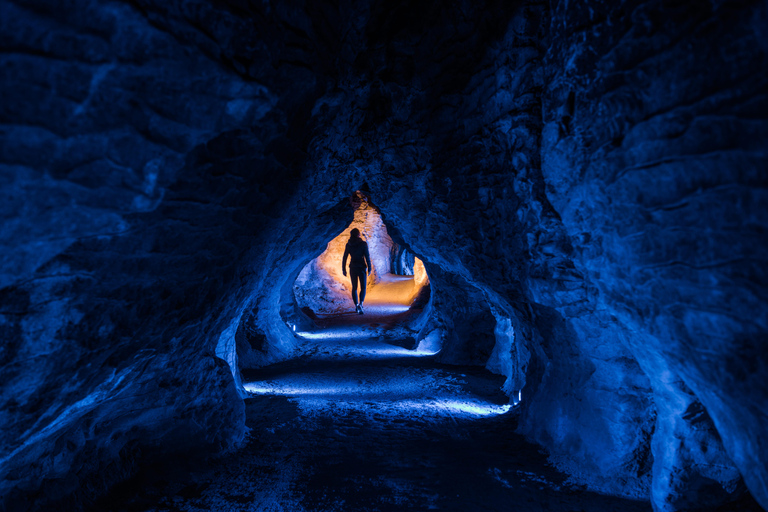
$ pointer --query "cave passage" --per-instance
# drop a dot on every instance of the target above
(365, 418)
(398, 289)
(357, 422)
(565, 203)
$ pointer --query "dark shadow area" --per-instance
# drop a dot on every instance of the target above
(369, 461)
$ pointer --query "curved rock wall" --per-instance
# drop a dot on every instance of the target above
(137, 168)
(582, 182)
(454, 165)
(654, 155)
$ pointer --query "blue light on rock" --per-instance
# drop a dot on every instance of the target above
(352, 396)
(584, 182)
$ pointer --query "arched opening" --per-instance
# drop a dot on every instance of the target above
(397, 291)
(416, 358)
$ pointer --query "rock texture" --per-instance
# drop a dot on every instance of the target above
(654, 155)
(584, 182)
(128, 207)
(321, 288)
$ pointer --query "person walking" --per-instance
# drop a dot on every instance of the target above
(359, 266)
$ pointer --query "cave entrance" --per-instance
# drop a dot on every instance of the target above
(398, 289)
(383, 362)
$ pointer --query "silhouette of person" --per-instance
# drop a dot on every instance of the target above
(359, 266)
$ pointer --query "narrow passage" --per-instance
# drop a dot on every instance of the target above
(361, 424)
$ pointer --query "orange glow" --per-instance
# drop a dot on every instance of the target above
(326, 290)
(373, 231)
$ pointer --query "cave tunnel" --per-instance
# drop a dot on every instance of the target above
(566, 206)
(397, 282)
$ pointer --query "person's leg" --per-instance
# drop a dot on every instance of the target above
(363, 284)
(354, 277)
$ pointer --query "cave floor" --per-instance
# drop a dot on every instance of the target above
(358, 424)
(387, 307)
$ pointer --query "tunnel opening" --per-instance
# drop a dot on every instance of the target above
(386, 359)
(412, 319)
(397, 293)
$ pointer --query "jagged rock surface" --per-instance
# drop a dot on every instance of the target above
(654, 155)
(584, 183)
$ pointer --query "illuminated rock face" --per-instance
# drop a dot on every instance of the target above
(324, 289)
(653, 151)
(583, 181)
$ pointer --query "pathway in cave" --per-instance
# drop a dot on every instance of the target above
(387, 316)
(386, 303)
(359, 424)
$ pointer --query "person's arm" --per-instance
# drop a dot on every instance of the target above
(344, 261)
(368, 259)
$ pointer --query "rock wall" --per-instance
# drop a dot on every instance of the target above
(654, 156)
(582, 182)
(454, 164)
(138, 166)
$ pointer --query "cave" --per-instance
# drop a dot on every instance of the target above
(568, 306)
(397, 283)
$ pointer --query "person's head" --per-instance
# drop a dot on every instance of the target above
(354, 234)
